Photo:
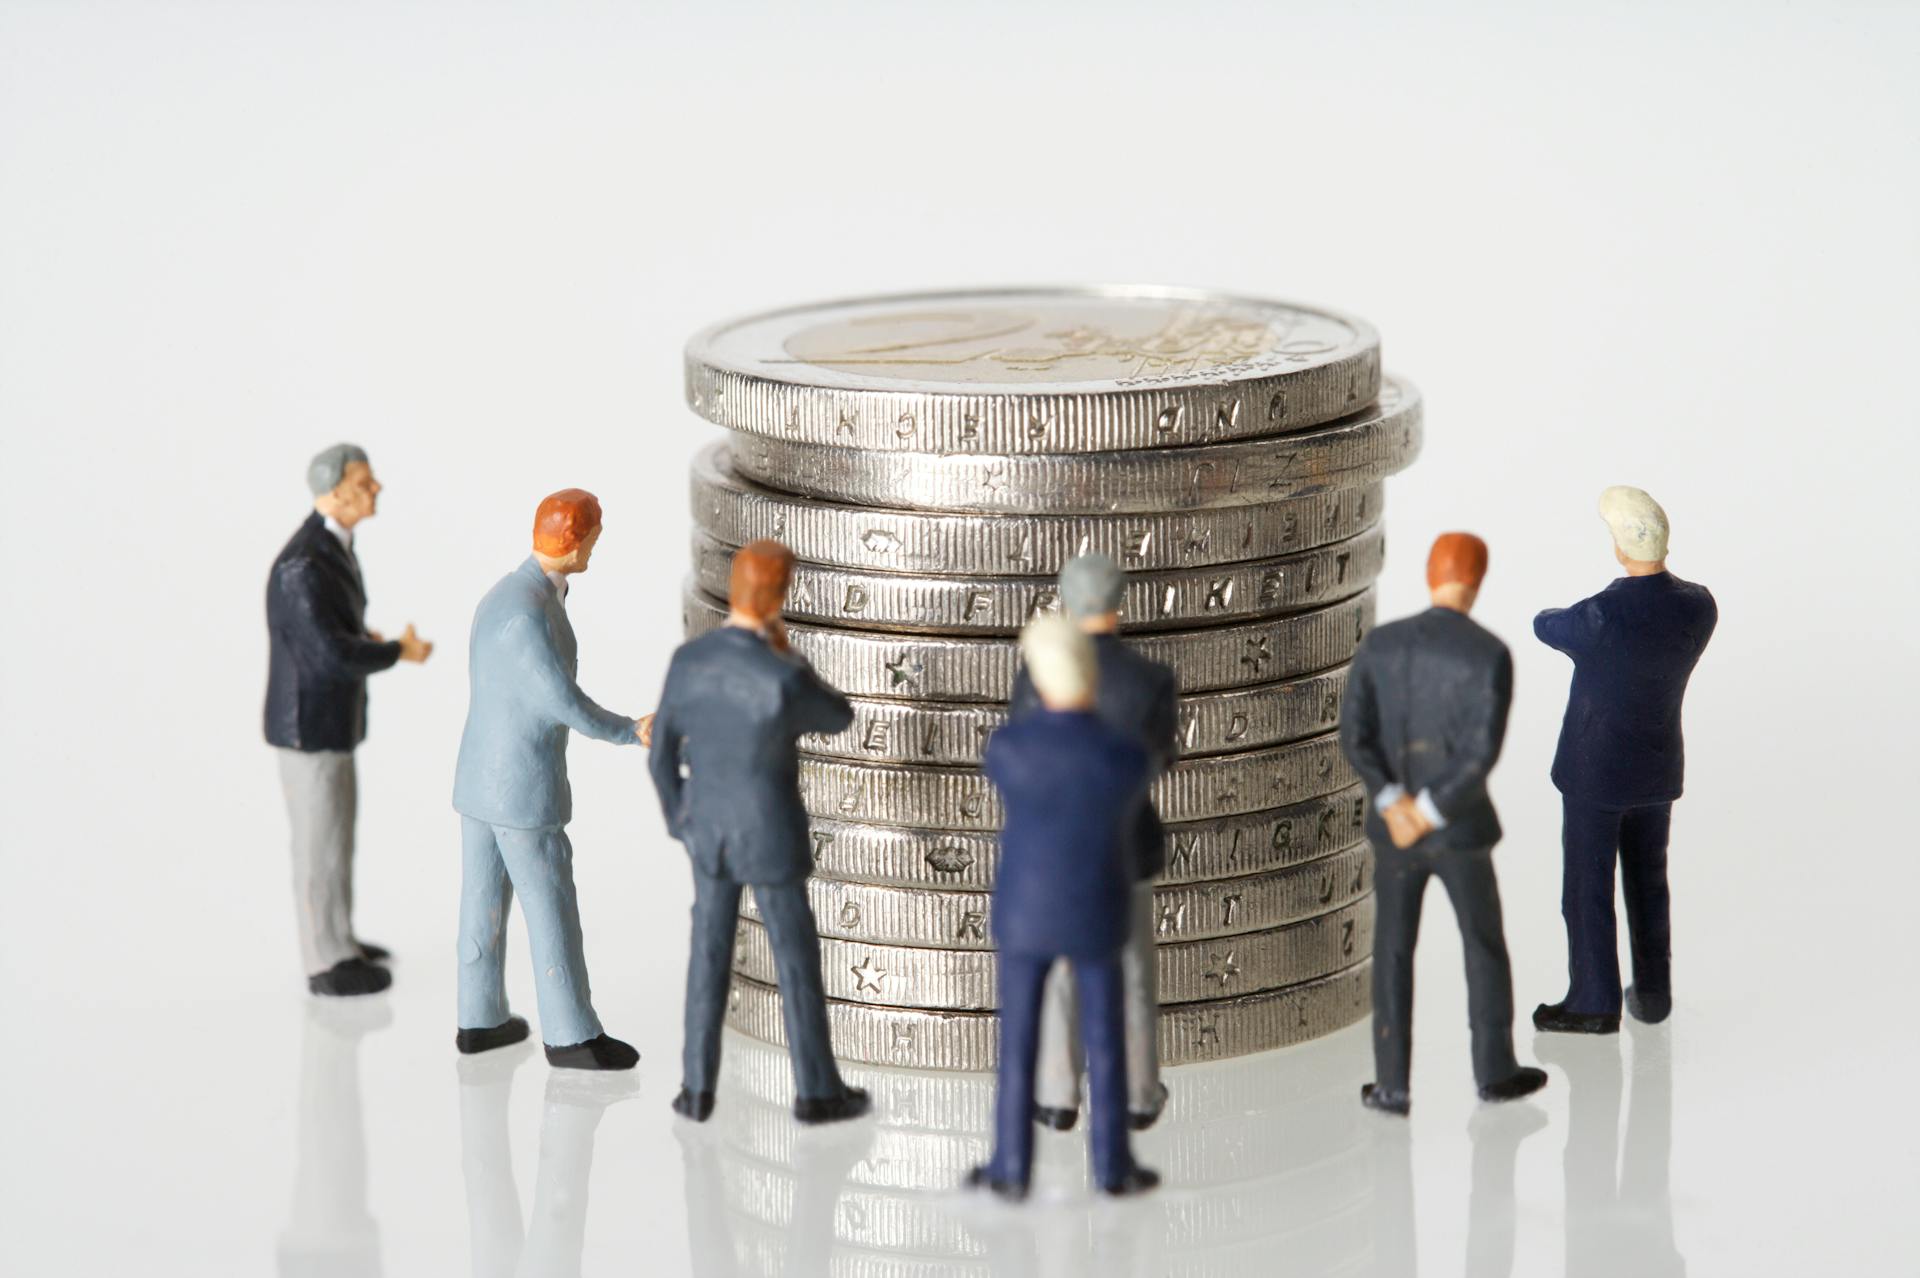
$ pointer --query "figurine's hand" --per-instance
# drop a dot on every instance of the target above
(376, 636)
(413, 647)
(643, 728)
(1406, 823)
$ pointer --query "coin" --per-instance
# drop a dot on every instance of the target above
(1164, 600)
(1190, 971)
(736, 511)
(934, 668)
(1351, 452)
(934, 732)
(1032, 370)
(917, 1039)
(964, 799)
(1226, 847)
(873, 913)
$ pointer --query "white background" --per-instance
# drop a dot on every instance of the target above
(1666, 245)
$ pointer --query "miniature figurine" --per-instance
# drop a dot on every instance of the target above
(1424, 716)
(1138, 696)
(1072, 786)
(1619, 766)
(735, 702)
(511, 791)
(320, 654)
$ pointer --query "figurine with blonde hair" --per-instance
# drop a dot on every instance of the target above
(1620, 765)
(510, 788)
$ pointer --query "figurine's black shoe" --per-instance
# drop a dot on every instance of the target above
(1649, 1009)
(1012, 1190)
(1554, 1018)
(1137, 1181)
(505, 1034)
(349, 977)
(1059, 1120)
(1139, 1120)
(695, 1105)
(599, 1052)
(1387, 1102)
(373, 953)
(813, 1110)
(1525, 1081)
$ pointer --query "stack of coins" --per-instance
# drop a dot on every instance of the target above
(933, 461)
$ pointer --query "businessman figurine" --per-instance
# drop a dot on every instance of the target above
(1138, 696)
(510, 788)
(1425, 712)
(320, 654)
(736, 701)
(1619, 766)
(1072, 786)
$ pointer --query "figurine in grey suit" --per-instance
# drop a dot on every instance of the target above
(1140, 697)
(514, 802)
(1424, 716)
(735, 702)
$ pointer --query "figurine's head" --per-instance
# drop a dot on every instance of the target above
(1091, 587)
(1061, 662)
(1455, 567)
(565, 529)
(342, 483)
(1639, 529)
(757, 587)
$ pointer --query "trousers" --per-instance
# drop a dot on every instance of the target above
(1057, 1077)
(322, 794)
(496, 862)
(1399, 881)
(1591, 839)
(790, 928)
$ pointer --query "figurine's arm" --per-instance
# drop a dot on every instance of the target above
(1570, 630)
(315, 630)
(1360, 728)
(1163, 729)
(815, 706)
(554, 691)
(663, 764)
(1025, 700)
(1483, 730)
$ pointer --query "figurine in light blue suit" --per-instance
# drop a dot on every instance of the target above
(514, 802)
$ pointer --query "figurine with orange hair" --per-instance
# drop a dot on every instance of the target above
(511, 791)
(1423, 719)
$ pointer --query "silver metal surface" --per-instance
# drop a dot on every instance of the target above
(936, 668)
(736, 511)
(918, 1039)
(956, 920)
(1354, 451)
(1032, 370)
(1164, 600)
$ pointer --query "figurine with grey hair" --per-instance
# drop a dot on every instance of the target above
(1620, 766)
(1072, 786)
(1140, 697)
(320, 653)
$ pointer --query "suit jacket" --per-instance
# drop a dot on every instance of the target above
(1634, 645)
(731, 712)
(1139, 696)
(1426, 709)
(521, 703)
(319, 655)
(1071, 785)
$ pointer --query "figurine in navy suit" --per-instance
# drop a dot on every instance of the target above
(736, 701)
(320, 654)
(1620, 766)
(510, 788)
(1140, 696)
(1072, 786)
(1423, 720)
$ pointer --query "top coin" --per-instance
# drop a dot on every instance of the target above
(1033, 370)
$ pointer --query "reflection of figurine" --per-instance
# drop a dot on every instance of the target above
(1138, 696)
(1620, 763)
(329, 1230)
(1072, 787)
(511, 791)
(736, 700)
(1425, 713)
(321, 655)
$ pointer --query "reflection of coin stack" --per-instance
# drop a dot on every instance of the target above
(933, 461)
